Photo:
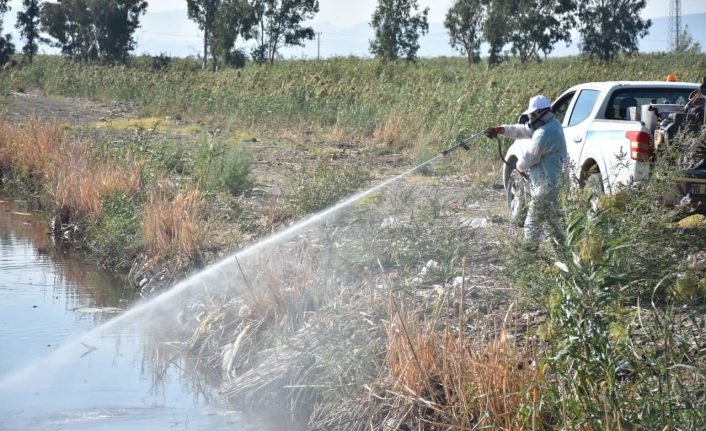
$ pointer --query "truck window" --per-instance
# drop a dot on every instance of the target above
(561, 106)
(584, 106)
(621, 100)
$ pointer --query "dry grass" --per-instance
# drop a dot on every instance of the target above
(291, 335)
(66, 168)
(77, 180)
(389, 130)
(458, 382)
(173, 224)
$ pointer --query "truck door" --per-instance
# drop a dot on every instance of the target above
(576, 124)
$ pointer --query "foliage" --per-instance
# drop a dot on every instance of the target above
(115, 197)
(163, 62)
(235, 18)
(686, 43)
(173, 223)
(205, 13)
(619, 298)
(160, 62)
(234, 172)
(464, 21)
(538, 25)
(222, 22)
(279, 23)
(28, 22)
(494, 29)
(397, 30)
(93, 29)
(610, 27)
(115, 235)
(7, 48)
(210, 162)
(322, 184)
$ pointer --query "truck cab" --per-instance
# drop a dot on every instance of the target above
(611, 130)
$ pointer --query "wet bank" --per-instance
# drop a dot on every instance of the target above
(131, 377)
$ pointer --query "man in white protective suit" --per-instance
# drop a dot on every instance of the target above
(541, 162)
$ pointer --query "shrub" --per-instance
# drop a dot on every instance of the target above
(323, 183)
(618, 296)
(115, 235)
(234, 172)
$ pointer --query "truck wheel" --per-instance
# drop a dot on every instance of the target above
(516, 199)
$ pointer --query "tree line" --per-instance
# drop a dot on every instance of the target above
(103, 30)
(529, 29)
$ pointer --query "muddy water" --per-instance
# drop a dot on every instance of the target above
(47, 296)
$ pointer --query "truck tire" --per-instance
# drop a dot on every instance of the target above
(516, 199)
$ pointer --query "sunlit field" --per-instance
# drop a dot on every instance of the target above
(400, 105)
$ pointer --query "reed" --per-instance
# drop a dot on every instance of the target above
(401, 105)
(173, 223)
(67, 169)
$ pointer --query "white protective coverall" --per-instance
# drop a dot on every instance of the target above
(543, 159)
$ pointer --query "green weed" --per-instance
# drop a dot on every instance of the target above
(233, 174)
(321, 184)
(626, 299)
(114, 235)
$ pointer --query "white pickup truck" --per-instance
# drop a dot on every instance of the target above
(611, 129)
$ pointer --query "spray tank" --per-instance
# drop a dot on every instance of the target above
(665, 121)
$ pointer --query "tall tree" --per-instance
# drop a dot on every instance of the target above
(115, 23)
(204, 12)
(495, 28)
(610, 27)
(538, 25)
(465, 24)
(93, 29)
(68, 23)
(7, 48)
(278, 23)
(397, 30)
(235, 18)
(28, 25)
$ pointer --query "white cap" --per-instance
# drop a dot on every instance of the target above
(536, 103)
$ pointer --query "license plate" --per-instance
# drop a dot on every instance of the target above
(696, 189)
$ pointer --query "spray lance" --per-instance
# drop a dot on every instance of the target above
(491, 133)
(462, 144)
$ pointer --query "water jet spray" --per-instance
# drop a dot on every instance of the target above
(73, 348)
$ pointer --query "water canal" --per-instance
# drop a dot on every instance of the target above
(132, 379)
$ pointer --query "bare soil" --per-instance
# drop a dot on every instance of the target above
(75, 112)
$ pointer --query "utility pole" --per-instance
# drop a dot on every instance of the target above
(318, 50)
(674, 24)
